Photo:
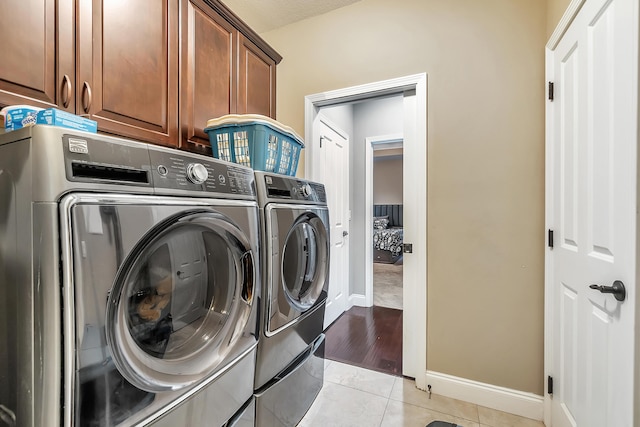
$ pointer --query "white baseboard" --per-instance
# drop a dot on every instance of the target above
(516, 402)
(357, 300)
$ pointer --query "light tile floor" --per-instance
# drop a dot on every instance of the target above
(387, 285)
(352, 396)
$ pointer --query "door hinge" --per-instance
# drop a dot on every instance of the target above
(549, 384)
(550, 238)
(550, 91)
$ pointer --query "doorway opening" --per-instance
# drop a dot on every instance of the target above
(412, 93)
(384, 198)
(369, 335)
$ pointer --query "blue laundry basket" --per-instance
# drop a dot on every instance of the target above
(256, 141)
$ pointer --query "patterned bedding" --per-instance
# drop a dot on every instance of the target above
(388, 239)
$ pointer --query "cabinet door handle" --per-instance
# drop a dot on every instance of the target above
(86, 97)
(66, 91)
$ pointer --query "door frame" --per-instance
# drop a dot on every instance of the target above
(567, 18)
(414, 343)
(370, 143)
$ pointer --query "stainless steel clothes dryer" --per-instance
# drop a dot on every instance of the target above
(295, 253)
(128, 275)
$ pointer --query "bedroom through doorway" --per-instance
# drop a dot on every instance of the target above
(387, 193)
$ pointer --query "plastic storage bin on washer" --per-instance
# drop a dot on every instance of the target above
(256, 141)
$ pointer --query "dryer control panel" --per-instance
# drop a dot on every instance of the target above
(284, 187)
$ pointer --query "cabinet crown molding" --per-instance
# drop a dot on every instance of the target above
(247, 31)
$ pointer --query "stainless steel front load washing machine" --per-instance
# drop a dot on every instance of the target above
(128, 275)
(295, 252)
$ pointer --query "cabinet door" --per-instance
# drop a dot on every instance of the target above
(208, 82)
(32, 33)
(128, 67)
(257, 80)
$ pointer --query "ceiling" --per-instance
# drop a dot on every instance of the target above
(267, 15)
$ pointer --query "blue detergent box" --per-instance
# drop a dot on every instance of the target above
(19, 116)
(55, 117)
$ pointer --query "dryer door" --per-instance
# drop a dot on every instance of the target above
(180, 300)
(299, 265)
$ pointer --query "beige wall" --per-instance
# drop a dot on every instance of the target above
(485, 66)
(387, 179)
(555, 10)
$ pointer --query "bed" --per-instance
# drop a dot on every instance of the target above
(387, 233)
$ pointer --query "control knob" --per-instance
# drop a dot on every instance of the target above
(305, 190)
(197, 173)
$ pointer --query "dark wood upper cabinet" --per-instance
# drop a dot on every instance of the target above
(128, 73)
(222, 70)
(256, 80)
(38, 53)
(154, 71)
(208, 86)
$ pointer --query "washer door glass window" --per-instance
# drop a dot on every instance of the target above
(304, 261)
(180, 301)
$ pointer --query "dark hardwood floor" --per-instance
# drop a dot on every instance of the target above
(368, 337)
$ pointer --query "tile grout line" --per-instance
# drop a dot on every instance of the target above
(357, 389)
(356, 367)
(386, 406)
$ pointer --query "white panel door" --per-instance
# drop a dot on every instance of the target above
(593, 158)
(333, 172)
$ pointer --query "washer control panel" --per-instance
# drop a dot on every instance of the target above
(123, 162)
